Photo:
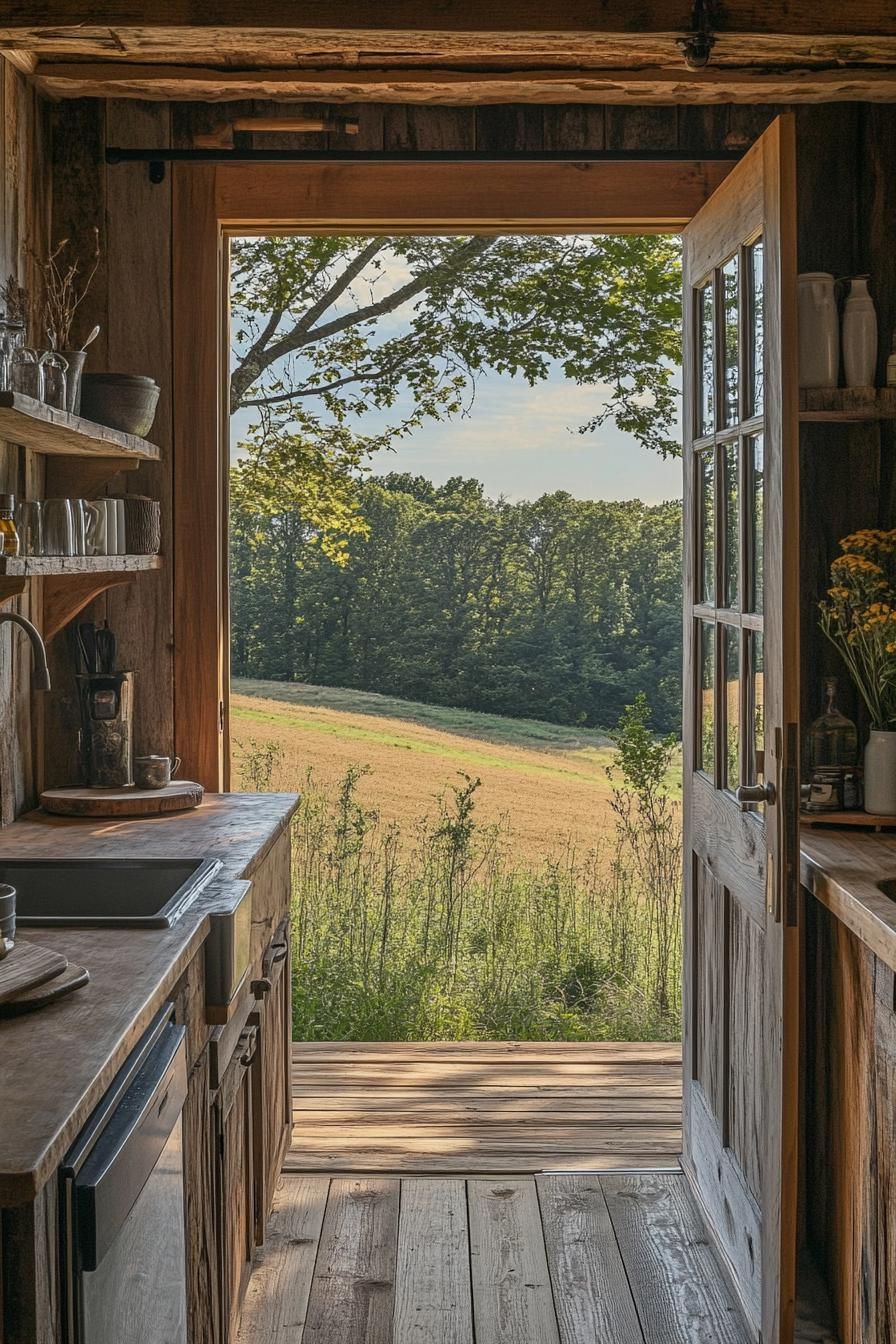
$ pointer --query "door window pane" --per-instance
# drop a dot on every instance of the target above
(731, 664)
(754, 736)
(731, 338)
(707, 527)
(706, 750)
(756, 520)
(705, 327)
(731, 525)
(757, 333)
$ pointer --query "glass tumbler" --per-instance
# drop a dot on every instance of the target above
(55, 368)
(30, 526)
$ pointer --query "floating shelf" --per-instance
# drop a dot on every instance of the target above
(44, 429)
(847, 405)
(71, 582)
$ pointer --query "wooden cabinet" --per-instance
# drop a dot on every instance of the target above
(200, 1166)
(272, 1094)
(235, 1178)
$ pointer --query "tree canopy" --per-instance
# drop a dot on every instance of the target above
(327, 328)
(558, 608)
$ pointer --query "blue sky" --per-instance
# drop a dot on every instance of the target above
(521, 442)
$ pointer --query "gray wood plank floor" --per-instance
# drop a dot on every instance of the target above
(557, 1259)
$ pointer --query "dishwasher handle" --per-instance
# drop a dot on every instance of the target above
(113, 1176)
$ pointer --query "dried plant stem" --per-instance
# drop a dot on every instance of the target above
(64, 288)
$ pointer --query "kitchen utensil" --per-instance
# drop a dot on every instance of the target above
(106, 649)
(144, 525)
(120, 400)
(107, 708)
(87, 641)
(30, 526)
(91, 338)
(7, 919)
(28, 965)
(154, 772)
(29, 1000)
(179, 796)
(59, 527)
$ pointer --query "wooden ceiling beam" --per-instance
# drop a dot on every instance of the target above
(499, 18)
(434, 86)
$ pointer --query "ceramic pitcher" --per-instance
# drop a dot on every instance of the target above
(819, 330)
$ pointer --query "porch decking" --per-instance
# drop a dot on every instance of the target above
(559, 1259)
(484, 1107)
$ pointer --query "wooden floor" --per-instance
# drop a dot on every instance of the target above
(554, 1259)
(484, 1107)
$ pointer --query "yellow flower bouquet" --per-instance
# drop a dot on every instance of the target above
(859, 618)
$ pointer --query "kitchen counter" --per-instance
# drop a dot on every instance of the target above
(841, 868)
(55, 1064)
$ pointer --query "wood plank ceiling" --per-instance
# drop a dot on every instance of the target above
(460, 51)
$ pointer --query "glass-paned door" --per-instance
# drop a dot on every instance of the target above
(740, 742)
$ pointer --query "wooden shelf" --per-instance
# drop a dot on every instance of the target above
(45, 429)
(71, 582)
(847, 405)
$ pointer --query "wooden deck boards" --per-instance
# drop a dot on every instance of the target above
(474, 1107)
(565, 1259)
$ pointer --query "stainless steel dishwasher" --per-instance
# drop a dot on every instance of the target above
(122, 1203)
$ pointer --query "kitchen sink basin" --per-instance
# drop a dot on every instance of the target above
(106, 893)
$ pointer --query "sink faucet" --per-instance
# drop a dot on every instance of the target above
(40, 677)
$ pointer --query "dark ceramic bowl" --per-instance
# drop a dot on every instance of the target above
(7, 919)
(122, 401)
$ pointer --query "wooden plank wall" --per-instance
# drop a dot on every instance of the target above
(24, 215)
(851, 1127)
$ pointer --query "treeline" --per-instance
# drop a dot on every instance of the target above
(558, 609)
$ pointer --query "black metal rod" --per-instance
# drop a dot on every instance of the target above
(117, 154)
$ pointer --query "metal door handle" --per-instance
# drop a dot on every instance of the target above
(756, 793)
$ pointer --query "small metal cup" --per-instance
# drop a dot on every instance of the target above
(7, 919)
(155, 772)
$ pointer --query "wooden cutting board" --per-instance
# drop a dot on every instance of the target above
(73, 977)
(28, 965)
(178, 796)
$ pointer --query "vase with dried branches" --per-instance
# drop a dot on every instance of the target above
(65, 284)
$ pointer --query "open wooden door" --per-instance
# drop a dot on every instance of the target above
(741, 702)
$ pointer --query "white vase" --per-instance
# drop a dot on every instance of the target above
(880, 774)
(859, 335)
(819, 330)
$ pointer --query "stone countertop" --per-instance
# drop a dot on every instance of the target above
(56, 1063)
(841, 868)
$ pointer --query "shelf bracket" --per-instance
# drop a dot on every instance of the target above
(11, 587)
(66, 595)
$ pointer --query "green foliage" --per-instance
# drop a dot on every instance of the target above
(438, 931)
(326, 327)
(557, 609)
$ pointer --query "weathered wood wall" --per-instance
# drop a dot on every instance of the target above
(24, 213)
(851, 1127)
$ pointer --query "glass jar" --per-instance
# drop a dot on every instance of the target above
(27, 373)
(9, 533)
(55, 368)
(12, 338)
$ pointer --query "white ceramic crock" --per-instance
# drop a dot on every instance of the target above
(880, 774)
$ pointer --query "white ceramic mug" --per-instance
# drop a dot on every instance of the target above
(102, 535)
(59, 527)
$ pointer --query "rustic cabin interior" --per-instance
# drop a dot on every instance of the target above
(152, 1186)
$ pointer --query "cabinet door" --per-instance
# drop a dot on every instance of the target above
(199, 1197)
(236, 1180)
(273, 1093)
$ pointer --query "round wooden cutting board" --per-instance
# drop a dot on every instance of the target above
(178, 796)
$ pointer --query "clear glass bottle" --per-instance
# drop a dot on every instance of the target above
(9, 533)
(833, 738)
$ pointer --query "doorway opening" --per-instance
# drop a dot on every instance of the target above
(455, 521)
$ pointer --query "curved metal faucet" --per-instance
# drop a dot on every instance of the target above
(40, 676)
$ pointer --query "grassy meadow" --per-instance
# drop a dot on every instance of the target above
(468, 876)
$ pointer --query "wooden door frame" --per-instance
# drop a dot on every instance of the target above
(214, 202)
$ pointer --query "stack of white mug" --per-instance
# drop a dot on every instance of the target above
(72, 526)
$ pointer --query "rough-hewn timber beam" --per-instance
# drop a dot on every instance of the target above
(120, 80)
(452, 16)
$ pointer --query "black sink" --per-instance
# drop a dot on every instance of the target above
(106, 893)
